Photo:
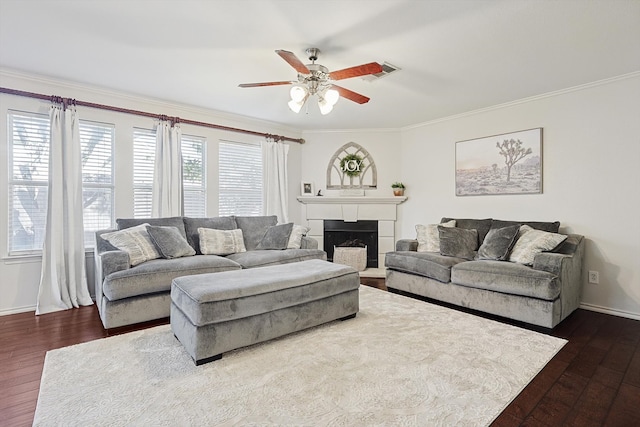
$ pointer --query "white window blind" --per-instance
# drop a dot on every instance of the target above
(193, 171)
(240, 179)
(96, 140)
(29, 179)
(144, 151)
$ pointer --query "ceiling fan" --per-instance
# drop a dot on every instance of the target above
(316, 79)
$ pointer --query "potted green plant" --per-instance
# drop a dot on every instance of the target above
(398, 188)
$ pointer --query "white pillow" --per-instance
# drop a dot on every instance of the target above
(428, 236)
(295, 239)
(531, 242)
(135, 241)
(221, 242)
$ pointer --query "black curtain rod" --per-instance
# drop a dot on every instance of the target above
(70, 101)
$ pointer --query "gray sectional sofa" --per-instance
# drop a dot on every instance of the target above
(127, 294)
(542, 293)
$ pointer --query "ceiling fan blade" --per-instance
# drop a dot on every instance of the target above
(293, 61)
(264, 84)
(358, 70)
(350, 95)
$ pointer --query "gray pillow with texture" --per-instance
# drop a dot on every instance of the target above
(532, 242)
(498, 243)
(482, 226)
(254, 227)
(191, 226)
(276, 237)
(458, 242)
(169, 242)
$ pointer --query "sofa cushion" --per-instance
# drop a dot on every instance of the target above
(481, 225)
(191, 226)
(135, 241)
(254, 227)
(260, 258)
(458, 242)
(220, 242)
(498, 243)
(532, 242)
(156, 275)
(174, 221)
(428, 264)
(297, 233)
(428, 237)
(551, 227)
(506, 278)
(169, 241)
(276, 237)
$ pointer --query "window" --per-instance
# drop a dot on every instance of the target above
(193, 176)
(29, 179)
(144, 152)
(96, 140)
(240, 179)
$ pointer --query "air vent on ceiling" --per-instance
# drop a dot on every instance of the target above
(386, 70)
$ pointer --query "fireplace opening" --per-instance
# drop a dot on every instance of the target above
(337, 232)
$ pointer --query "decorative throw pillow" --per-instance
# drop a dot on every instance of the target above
(169, 241)
(276, 237)
(221, 242)
(295, 240)
(458, 242)
(428, 237)
(498, 243)
(532, 242)
(135, 241)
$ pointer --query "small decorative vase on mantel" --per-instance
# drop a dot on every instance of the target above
(398, 188)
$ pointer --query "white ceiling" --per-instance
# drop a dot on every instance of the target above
(455, 56)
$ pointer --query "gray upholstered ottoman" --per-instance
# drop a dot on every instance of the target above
(218, 312)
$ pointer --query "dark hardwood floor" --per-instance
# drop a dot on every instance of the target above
(593, 381)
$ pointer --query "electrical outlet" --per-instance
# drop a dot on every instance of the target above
(594, 277)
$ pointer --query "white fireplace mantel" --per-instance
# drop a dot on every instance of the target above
(359, 200)
(317, 209)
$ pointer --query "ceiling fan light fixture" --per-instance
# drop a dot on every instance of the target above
(325, 106)
(295, 106)
(298, 93)
(332, 96)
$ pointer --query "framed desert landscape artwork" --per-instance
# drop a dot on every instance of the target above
(510, 163)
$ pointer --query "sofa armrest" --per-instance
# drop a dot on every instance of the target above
(309, 243)
(568, 268)
(113, 261)
(407, 245)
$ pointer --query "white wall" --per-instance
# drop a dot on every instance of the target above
(20, 276)
(591, 178)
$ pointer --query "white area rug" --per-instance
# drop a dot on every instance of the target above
(399, 362)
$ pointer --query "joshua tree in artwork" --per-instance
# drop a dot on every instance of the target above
(513, 152)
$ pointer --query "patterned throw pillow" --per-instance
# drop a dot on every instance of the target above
(428, 237)
(532, 242)
(295, 240)
(169, 242)
(221, 242)
(135, 241)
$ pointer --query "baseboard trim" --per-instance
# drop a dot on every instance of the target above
(16, 310)
(613, 312)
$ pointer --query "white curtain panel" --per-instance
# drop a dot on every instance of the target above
(166, 194)
(63, 280)
(276, 181)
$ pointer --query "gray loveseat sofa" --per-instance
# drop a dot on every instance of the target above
(127, 294)
(542, 293)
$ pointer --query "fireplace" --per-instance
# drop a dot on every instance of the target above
(337, 232)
